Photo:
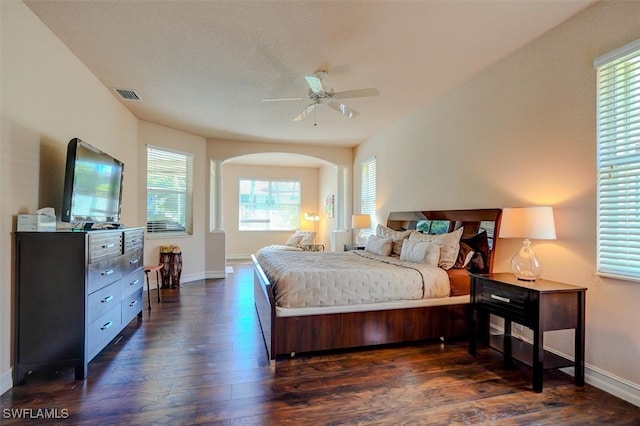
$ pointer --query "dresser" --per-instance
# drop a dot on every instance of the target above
(540, 305)
(74, 292)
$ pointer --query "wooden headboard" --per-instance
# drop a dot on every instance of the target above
(474, 221)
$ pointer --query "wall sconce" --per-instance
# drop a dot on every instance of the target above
(362, 222)
(527, 222)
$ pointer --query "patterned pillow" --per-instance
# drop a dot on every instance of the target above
(420, 252)
(449, 245)
(294, 240)
(378, 245)
(397, 236)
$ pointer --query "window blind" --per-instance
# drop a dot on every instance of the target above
(368, 191)
(618, 163)
(169, 191)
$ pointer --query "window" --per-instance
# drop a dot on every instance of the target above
(269, 205)
(368, 192)
(169, 191)
(618, 162)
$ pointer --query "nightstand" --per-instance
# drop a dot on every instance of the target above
(313, 247)
(540, 305)
(349, 247)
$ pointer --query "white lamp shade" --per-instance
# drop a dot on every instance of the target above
(535, 223)
(360, 221)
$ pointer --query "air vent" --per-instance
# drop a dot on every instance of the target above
(127, 94)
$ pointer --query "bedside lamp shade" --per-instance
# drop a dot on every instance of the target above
(362, 222)
(534, 223)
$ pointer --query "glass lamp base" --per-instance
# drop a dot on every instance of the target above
(525, 265)
(361, 238)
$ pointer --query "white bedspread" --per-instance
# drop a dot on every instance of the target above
(317, 279)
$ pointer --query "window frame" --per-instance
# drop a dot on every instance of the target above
(618, 163)
(185, 211)
(368, 176)
(271, 182)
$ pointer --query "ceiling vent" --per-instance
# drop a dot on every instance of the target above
(127, 94)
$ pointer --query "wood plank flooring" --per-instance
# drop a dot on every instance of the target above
(199, 358)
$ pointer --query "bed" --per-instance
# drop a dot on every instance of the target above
(312, 321)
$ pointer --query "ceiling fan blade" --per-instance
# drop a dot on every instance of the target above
(343, 109)
(314, 83)
(305, 112)
(282, 99)
(359, 93)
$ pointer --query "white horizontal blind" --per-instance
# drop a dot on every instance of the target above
(618, 135)
(368, 191)
(169, 191)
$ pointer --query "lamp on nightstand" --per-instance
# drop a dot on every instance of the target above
(362, 222)
(527, 222)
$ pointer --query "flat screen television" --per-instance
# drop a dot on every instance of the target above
(92, 186)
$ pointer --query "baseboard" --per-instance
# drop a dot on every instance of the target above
(215, 274)
(594, 376)
(6, 381)
(238, 257)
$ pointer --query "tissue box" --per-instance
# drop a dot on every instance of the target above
(36, 223)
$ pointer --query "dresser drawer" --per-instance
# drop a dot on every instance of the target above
(132, 283)
(103, 300)
(504, 300)
(103, 273)
(131, 306)
(132, 261)
(102, 330)
(104, 245)
(133, 239)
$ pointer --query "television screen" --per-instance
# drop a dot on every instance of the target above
(92, 185)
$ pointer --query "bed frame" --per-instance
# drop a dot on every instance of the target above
(311, 333)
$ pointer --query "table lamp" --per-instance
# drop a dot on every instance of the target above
(362, 222)
(534, 223)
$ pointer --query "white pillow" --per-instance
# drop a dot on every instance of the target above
(420, 252)
(379, 245)
(397, 236)
(306, 237)
(449, 245)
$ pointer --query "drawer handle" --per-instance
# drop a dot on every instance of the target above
(133, 303)
(500, 298)
(107, 325)
(110, 245)
(107, 299)
(107, 272)
(133, 261)
(134, 282)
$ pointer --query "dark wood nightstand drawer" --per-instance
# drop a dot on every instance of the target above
(505, 300)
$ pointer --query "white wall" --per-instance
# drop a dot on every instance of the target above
(48, 98)
(523, 133)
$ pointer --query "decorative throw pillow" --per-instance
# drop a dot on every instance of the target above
(378, 245)
(449, 245)
(420, 252)
(464, 256)
(294, 240)
(480, 245)
(306, 237)
(397, 236)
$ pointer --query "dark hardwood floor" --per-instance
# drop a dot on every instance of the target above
(199, 358)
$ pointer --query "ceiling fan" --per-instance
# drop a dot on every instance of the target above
(318, 94)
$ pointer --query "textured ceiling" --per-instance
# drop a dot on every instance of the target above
(204, 66)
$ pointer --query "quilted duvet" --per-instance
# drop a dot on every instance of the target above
(318, 279)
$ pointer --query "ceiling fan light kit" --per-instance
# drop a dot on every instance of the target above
(318, 94)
